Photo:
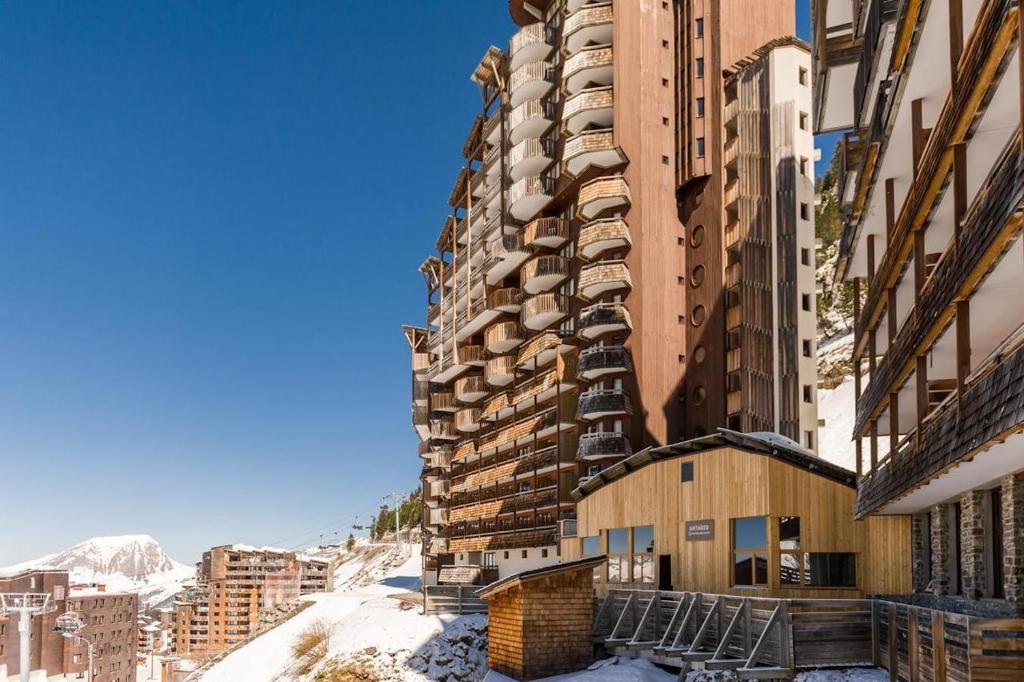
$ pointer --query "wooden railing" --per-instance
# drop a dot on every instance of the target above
(460, 599)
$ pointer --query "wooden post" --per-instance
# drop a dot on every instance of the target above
(860, 456)
(956, 40)
(922, 393)
(959, 188)
(785, 637)
(890, 208)
(891, 309)
(894, 657)
(894, 421)
(920, 269)
(871, 260)
(876, 654)
(963, 348)
(938, 646)
(916, 133)
(873, 434)
(913, 665)
(872, 352)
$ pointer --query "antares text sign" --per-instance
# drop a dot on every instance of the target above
(700, 530)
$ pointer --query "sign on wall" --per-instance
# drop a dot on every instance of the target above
(700, 530)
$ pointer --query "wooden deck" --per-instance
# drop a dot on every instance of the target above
(776, 638)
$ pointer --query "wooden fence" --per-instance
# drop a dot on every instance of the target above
(761, 638)
(452, 599)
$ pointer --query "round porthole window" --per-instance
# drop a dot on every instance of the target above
(700, 313)
(697, 276)
(697, 236)
(700, 394)
(699, 355)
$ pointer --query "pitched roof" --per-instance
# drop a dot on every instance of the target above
(517, 579)
(769, 444)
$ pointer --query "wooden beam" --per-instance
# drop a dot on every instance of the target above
(922, 393)
(963, 347)
(956, 39)
(871, 259)
(873, 435)
(959, 188)
(762, 641)
(894, 421)
(892, 315)
(860, 456)
(916, 139)
(890, 206)
(920, 267)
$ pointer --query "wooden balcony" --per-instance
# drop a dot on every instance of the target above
(543, 310)
(594, 446)
(588, 25)
(595, 148)
(591, 66)
(601, 361)
(549, 233)
(503, 337)
(529, 196)
(471, 355)
(443, 402)
(602, 277)
(507, 300)
(602, 403)
(540, 350)
(530, 157)
(467, 420)
(532, 118)
(603, 194)
(470, 389)
(532, 43)
(603, 318)
(591, 107)
(500, 370)
(544, 272)
(532, 80)
(443, 429)
(604, 234)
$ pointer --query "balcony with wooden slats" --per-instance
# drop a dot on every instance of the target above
(602, 194)
(503, 337)
(543, 310)
(544, 272)
(592, 148)
(588, 25)
(602, 277)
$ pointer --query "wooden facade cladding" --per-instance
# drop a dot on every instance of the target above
(979, 63)
(513, 539)
(991, 407)
(731, 482)
(540, 622)
(994, 219)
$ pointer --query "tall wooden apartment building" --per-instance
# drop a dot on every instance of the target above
(235, 586)
(626, 235)
(929, 94)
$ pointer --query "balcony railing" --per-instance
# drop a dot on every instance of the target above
(530, 157)
(546, 232)
(543, 310)
(603, 445)
(532, 43)
(443, 402)
(467, 419)
(588, 24)
(601, 403)
(603, 318)
(602, 194)
(500, 370)
(507, 300)
(541, 349)
(880, 12)
(602, 235)
(602, 361)
(592, 148)
(589, 67)
(443, 429)
(529, 196)
(532, 80)
(470, 389)
(471, 355)
(544, 272)
(532, 118)
(503, 337)
(589, 107)
(604, 276)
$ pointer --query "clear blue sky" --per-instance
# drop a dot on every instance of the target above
(211, 214)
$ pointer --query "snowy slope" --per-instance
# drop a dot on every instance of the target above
(123, 563)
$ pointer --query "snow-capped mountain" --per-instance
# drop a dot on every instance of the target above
(123, 563)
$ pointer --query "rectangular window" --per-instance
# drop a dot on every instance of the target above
(490, 560)
(686, 472)
(802, 76)
(698, 27)
(700, 107)
(803, 166)
(700, 147)
(805, 256)
(618, 555)
(805, 301)
(803, 121)
(805, 211)
(643, 554)
(590, 545)
(809, 440)
(806, 348)
(830, 569)
(789, 559)
(807, 393)
(750, 551)
(699, 67)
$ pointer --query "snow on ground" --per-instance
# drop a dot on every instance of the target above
(369, 630)
(837, 407)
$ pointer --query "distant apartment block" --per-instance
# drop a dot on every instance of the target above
(235, 586)
(931, 183)
(110, 620)
(627, 261)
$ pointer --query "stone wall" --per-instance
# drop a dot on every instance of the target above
(973, 508)
(941, 549)
(920, 554)
(1013, 539)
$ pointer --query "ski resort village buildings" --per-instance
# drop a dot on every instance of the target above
(929, 94)
(236, 585)
(627, 261)
(109, 619)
